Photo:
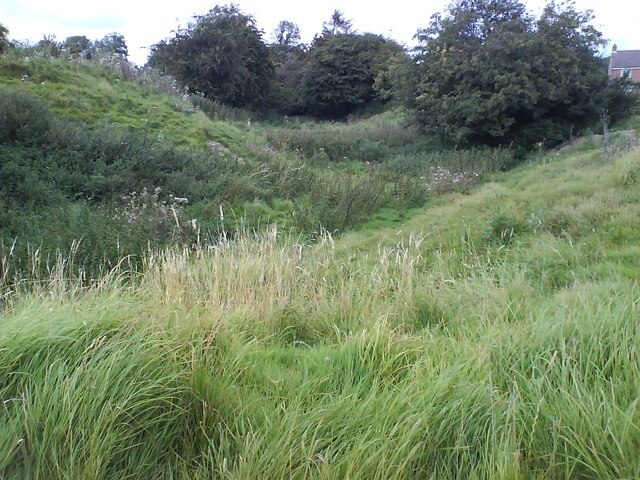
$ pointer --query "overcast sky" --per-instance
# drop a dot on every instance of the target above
(145, 22)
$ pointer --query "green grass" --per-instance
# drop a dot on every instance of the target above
(87, 93)
(388, 217)
(106, 135)
(492, 335)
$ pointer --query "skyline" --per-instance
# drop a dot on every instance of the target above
(145, 23)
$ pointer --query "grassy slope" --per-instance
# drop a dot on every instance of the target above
(91, 94)
(267, 182)
(493, 335)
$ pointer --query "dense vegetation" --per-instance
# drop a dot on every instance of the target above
(125, 168)
(485, 72)
(342, 72)
(491, 73)
(4, 42)
(193, 290)
(240, 76)
(494, 335)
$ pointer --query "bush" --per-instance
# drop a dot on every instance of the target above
(23, 118)
(623, 100)
(341, 73)
(490, 73)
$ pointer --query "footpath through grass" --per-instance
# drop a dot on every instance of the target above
(493, 335)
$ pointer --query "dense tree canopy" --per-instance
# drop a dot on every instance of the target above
(489, 72)
(342, 71)
(290, 59)
(222, 55)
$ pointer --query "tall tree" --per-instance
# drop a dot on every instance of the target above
(49, 46)
(220, 54)
(290, 59)
(490, 73)
(287, 34)
(342, 71)
(4, 40)
(76, 45)
(337, 25)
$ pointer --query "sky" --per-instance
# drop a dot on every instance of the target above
(145, 22)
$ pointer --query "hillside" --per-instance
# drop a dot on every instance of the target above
(101, 96)
(494, 334)
(127, 163)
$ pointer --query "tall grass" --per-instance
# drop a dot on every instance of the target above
(494, 335)
(448, 351)
(270, 359)
(372, 140)
(122, 193)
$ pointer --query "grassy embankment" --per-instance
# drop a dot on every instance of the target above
(85, 149)
(492, 335)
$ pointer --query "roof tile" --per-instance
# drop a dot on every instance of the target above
(625, 59)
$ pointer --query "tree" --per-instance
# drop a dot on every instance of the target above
(290, 60)
(622, 100)
(342, 71)
(49, 46)
(337, 25)
(287, 34)
(76, 45)
(4, 40)
(395, 78)
(220, 54)
(113, 44)
(490, 73)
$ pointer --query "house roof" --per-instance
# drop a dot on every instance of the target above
(625, 59)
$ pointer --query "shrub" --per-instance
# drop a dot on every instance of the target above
(23, 118)
(623, 100)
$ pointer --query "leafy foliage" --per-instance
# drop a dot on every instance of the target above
(342, 71)
(337, 25)
(76, 45)
(220, 54)
(112, 43)
(287, 34)
(23, 118)
(623, 100)
(290, 59)
(489, 73)
(48, 46)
